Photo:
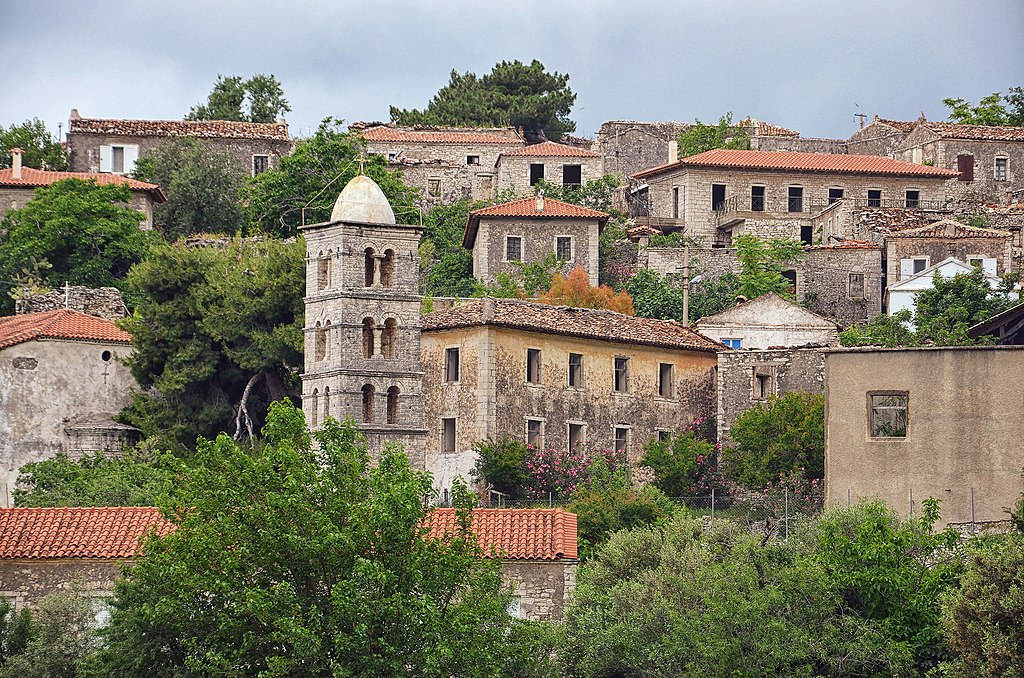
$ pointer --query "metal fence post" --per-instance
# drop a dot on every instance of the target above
(786, 529)
(911, 502)
(712, 504)
(973, 526)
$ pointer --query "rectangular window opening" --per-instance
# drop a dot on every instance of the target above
(572, 175)
(434, 188)
(874, 197)
(834, 195)
(563, 248)
(117, 161)
(472, 159)
(448, 434)
(621, 374)
(1000, 169)
(451, 364)
(913, 199)
(717, 196)
(260, 164)
(856, 286)
(807, 235)
(665, 381)
(888, 414)
(733, 343)
(757, 198)
(796, 199)
(675, 202)
(965, 166)
(533, 365)
(536, 172)
(764, 383)
(575, 436)
(534, 433)
(621, 439)
(513, 248)
(576, 370)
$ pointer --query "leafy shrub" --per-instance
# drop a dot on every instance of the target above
(675, 462)
(502, 464)
(558, 473)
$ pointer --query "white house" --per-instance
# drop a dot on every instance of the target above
(769, 321)
(901, 294)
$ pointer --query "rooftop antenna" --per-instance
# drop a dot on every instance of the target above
(861, 116)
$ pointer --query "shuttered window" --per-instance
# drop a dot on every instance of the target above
(965, 166)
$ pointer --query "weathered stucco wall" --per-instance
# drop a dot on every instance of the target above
(26, 581)
(46, 383)
(538, 243)
(542, 587)
(963, 435)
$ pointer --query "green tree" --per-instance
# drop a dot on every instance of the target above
(446, 266)
(202, 186)
(56, 639)
(596, 194)
(81, 230)
(217, 337)
(945, 312)
(654, 296)
(16, 630)
(884, 330)
(688, 599)
(42, 151)
(785, 433)
(93, 480)
(513, 93)
(699, 137)
(501, 464)
(258, 99)
(994, 109)
(675, 461)
(294, 558)
(762, 262)
(981, 617)
(304, 188)
(713, 295)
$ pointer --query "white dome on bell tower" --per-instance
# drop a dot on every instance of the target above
(362, 201)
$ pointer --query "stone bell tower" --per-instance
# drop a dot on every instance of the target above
(362, 333)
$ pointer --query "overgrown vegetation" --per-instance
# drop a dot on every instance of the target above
(994, 109)
(700, 137)
(41, 150)
(135, 479)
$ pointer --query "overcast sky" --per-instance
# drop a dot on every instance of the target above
(809, 65)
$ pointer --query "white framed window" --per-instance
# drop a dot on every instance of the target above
(119, 159)
(260, 164)
(912, 266)
(621, 442)
(576, 434)
(535, 433)
(563, 248)
(1001, 169)
(888, 414)
(513, 248)
(986, 264)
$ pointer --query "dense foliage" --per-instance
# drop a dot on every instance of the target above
(41, 150)
(783, 434)
(72, 231)
(256, 99)
(94, 480)
(677, 462)
(513, 93)
(762, 262)
(699, 137)
(51, 641)
(217, 337)
(501, 465)
(994, 109)
(202, 185)
(654, 296)
(575, 290)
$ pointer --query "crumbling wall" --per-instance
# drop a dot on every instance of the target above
(102, 302)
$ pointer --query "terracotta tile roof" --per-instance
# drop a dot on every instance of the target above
(436, 136)
(901, 125)
(949, 228)
(60, 324)
(549, 149)
(642, 229)
(33, 178)
(802, 162)
(601, 325)
(848, 244)
(766, 129)
(203, 129)
(518, 534)
(48, 533)
(949, 130)
(526, 208)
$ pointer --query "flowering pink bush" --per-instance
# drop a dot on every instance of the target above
(558, 473)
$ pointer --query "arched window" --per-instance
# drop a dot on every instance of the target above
(393, 405)
(368, 327)
(389, 339)
(319, 342)
(387, 268)
(314, 402)
(327, 402)
(369, 264)
(323, 274)
(368, 403)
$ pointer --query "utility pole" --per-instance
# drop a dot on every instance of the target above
(686, 285)
(861, 116)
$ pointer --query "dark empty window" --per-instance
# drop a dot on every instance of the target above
(513, 248)
(665, 380)
(796, 199)
(389, 339)
(260, 164)
(575, 436)
(451, 364)
(575, 370)
(675, 202)
(117, 159)
(369, 266)
(327, 402)
(533, 365)
(387, 268)
(621, 438)
(965, 166)
(888, 414)
(717, 195)
(448, 435)
(807, 235)
(856, 286)
(314, 402)
(393, 405)
(913, 198)
(368, 339)
(536, 172)
(368, 403)
(621, 374)
(472, 159)
(563, 248)
(572, 175)
(664, 436)
(834, 195)
(757, 198)
(764, 383)
(875, 197)
(790, 276)
(533, 432)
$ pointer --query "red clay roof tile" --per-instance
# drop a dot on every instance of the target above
(60, 324)
(517, 534)
(526, 208)
(588, 323)
(549, 149)
(949, 130)
(802, 162)
(203, 129)
(438, 136)
(848, 244)
(31, 178)
(949, 229)
(48, 533)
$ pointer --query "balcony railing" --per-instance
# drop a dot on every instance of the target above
(801, 207)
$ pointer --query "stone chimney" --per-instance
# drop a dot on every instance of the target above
(16, 163)
(673, 150)
(540, 200)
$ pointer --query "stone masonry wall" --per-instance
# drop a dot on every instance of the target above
(26, 581)
(923, 147)
(538, 243)
(824, 285)
(937, 249)
(102, 302)
(798, 144)
(543, 587)
(627, 146)
(786, 370)
(514, 171)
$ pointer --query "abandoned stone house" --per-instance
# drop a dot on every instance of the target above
(717, 194)
(769, 321)
(18, 185)
(362, 332)
(556, 377)
(529, 231)
(113, 145)
(988, 160)
(538, 551)
(879, 137)
(46, 550)
(63, 382)
(521, 168)
(902, 425)
(446, 164)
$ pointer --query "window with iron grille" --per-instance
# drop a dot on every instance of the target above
(260, 164)
(513, 248)
(1000, 172)
(563, 248)
(874, 197)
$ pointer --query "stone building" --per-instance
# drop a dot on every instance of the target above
(902, 425)
(842, 280)
(910, 251)
(879, 137)
(113, 145)
(530, 230)
(710, 195)
(521, 168)
(769, 321)
(749, 377)
(988, 161)
(628, 146)
(18, 185)
(45, 550)
(101, 302)
(902, 294)
(557, 377)
(362, 333)
(445, 163)
(538, 550)
(63, 382)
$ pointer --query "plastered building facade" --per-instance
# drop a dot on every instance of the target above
(769, 321)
